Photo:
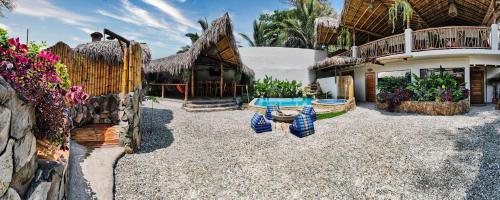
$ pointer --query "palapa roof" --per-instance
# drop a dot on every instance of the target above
(217, 42)
(110, 51)
(337, 61)
(325, 30)
(370, 19)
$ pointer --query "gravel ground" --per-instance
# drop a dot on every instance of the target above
(362, 154)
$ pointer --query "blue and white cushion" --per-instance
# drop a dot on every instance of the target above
(260, 124)
(302, 126)
(309, 110)
(269, 110)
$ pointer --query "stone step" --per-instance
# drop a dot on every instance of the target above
(210, 109)
(217, 105)
(211, 101)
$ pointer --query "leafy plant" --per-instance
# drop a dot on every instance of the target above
(269, 87)
(402, 7)
(344, 38)
(395, 97)
(34, 76)
(390, 83)
(437, 87)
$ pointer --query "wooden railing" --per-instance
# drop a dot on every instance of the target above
(383, 47)
(454, 37)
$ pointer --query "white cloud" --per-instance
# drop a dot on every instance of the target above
(3, 26)
(45, 9)
(172, 11)
(182, 1)
(87, 30)
(135, 15)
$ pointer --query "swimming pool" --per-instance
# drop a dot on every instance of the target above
(295, 102)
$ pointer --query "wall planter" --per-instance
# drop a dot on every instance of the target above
(429, 107)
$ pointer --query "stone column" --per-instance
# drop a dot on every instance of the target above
(408, 40)
(354, 51)
(494, 36)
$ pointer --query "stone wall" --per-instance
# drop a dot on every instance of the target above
(19, 166)
(430, 107)
(122, 110)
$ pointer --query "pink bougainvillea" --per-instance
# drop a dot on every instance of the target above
(36, 79)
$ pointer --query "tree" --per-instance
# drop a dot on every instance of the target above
(262, 35)
(300, 28)
(194, 36)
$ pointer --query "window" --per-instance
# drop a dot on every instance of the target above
(405, 74)
(458, 73)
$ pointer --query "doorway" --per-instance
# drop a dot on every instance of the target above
(370, 90)
(476, 86)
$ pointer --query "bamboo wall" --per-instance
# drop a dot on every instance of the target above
(346, 87)
(98, 76)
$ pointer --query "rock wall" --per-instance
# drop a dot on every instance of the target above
(18, 160)
(122, 110)
(430, 108)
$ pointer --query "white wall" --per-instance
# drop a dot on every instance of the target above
(281, 63)
(329, 85)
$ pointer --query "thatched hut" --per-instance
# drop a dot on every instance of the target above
(212, 67)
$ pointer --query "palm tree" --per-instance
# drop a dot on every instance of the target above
(194, 36)
(262, 35)
(6, 4)
(300, 27)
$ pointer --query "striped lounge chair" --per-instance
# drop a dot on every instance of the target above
(302, 126)
(269, 110)
(260, 124)
(309, 110)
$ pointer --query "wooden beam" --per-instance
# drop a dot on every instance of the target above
(489, 13)
(366, 31)
(373, 11)
(417, 14)
(192, 81)
(221, 78)
(186, 88)
(361, 17)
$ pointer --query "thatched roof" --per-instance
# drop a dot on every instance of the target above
(217, 42)
(338, 61)
(110, 51)
(325, 30)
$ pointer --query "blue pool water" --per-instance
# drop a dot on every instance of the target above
(331, 101)
(263, 102)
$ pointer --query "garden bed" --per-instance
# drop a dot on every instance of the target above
(429, 107)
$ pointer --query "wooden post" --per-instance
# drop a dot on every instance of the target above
(186, 91)
(221, 78)
(125, 71)
(234, 89)
(131, 70)
(192, 81)
(162, 91)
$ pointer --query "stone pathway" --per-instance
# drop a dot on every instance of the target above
(91, 171)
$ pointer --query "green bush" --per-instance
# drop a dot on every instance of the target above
(437, 87)
(270, 87)
(390, 83)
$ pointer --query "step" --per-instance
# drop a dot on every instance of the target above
(211, 101)
(218, 105)
(210, 109)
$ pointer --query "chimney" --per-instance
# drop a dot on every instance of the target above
(96, 36)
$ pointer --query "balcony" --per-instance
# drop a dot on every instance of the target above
(442, 38)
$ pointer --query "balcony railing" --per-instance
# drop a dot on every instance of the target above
(383, 47)
(456, 37)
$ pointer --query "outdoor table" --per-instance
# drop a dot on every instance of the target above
(284, 118)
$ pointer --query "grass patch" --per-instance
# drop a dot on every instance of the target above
(329, 115)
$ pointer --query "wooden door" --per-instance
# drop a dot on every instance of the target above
(476, 86)
(370, 86)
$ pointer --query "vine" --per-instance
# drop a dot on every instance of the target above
(400, 7)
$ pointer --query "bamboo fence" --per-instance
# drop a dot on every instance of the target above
(98, 76)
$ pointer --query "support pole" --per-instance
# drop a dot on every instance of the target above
(162, 91)
(186, 88)
(125, 71)
(192, 81)
(221, 78)
(234, 89)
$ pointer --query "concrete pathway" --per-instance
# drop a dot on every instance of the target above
(91, 171)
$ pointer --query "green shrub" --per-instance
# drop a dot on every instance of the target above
(390, 83)
(437, 87)
(270, 87)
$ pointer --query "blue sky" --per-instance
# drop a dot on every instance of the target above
(160, 23)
